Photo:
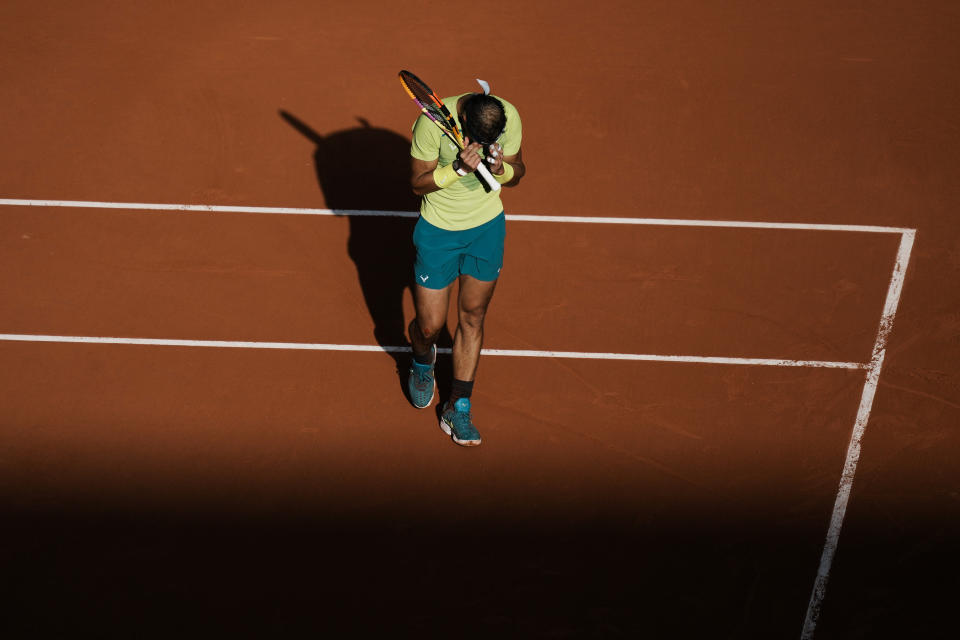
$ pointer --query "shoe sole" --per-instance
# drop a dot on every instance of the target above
(447, 429)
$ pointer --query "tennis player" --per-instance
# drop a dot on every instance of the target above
(459, 237)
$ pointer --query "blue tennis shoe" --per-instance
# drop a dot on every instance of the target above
(457, 423)
(421, 384)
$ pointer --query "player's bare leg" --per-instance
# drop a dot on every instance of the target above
(472, 306)
(456, 419)
(431, 306)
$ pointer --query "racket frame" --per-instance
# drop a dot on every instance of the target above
(448, 125)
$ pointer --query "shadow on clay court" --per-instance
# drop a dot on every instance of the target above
(368, 168)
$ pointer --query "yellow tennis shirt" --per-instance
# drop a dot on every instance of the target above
(464, 204)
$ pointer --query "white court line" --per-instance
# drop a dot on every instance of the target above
(872, 368)
(859, 427)
(207, 208)
(310, 346)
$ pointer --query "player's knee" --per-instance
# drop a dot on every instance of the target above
(472, 317)
(432, 333)
(429, 331)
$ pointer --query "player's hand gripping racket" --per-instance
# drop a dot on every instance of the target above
(433, 108)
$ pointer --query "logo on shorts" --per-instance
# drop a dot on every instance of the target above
(424, 278)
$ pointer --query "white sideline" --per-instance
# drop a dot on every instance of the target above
(208, 208)
(859, 427)
(311, 346)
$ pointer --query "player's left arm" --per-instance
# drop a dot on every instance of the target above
(495, 153)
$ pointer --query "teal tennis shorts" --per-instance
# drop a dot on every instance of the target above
(442, 255)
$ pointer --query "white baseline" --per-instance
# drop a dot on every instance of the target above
(523, 353)
(208, 208)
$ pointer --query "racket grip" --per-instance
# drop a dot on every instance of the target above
(488, 178)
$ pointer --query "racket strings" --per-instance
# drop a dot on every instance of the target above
(427, 99)
(420, 92)
(415, 85)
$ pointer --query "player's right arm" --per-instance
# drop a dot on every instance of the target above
(421, 175)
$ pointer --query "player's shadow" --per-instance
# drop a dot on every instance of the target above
(368, 169)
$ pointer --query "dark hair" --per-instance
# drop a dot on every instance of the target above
(485, 118)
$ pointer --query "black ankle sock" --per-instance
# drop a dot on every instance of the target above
(461, 389)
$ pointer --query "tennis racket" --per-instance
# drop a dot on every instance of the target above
(433, 108)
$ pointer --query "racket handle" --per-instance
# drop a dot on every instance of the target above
(488, 177)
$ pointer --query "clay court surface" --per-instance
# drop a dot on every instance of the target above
(693, 486)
